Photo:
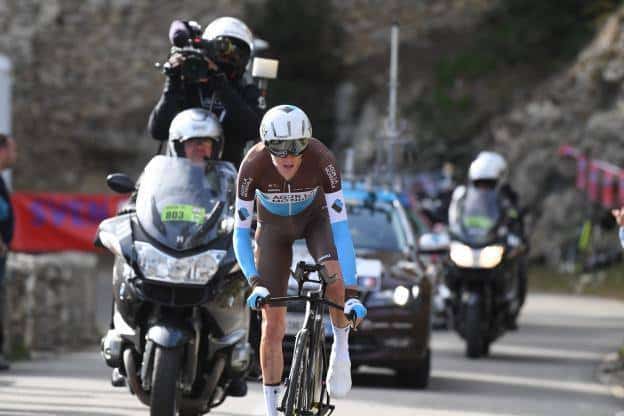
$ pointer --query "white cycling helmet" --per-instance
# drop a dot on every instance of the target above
(193, 123)
(285, 129)
(487, 166)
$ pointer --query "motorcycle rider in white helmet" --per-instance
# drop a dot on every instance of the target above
(197, 135)
(296, 182)
(220, 87)
(489, 170)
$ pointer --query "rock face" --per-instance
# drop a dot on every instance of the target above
(85, 84)
(50, 302)
(582, 106)
(85, 80)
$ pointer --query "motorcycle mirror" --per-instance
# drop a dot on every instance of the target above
(433, 243)
(120, 183)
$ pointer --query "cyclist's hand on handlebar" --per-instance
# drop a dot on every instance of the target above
(355, 311)
(260, 293)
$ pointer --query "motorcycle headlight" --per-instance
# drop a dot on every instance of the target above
(198, 269)
(490, 256)
(461, 254)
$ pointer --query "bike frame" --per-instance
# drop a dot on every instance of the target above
(316, 305)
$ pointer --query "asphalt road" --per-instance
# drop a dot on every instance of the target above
(547, 367)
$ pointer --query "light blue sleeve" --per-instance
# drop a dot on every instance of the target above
(621, 233)
(342, 236)
(244, 252)
(346, 253)
(242, 238)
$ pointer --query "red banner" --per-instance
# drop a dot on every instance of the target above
(581, 173)
(47, 222)
(609, 188)
(601, 181)
(593, 182)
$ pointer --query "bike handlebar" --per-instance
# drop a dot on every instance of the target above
(301, 273)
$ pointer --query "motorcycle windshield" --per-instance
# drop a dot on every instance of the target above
(181, 204)
(479, 217)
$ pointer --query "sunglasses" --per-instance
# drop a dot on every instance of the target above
(282, 148)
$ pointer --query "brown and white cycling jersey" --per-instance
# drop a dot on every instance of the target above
(314, 190)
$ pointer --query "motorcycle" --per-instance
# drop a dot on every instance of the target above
(180, 319)
(486, 260)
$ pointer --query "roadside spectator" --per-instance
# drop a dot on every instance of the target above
(619, 218)
(8, 156)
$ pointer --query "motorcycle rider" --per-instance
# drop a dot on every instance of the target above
(236, 102)
(196, 134)
(297, 184)
(489, 171)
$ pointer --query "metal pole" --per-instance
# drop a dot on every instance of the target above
(392, 99)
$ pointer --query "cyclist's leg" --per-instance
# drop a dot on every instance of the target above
(273, 259)
(320, 243)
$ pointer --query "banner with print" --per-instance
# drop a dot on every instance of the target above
(48, 222)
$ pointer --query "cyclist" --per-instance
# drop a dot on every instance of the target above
(296, 181)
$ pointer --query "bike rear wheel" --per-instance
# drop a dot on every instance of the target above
(295, 393)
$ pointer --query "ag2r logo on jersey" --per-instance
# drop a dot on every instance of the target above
(243, 213)
(338, 206)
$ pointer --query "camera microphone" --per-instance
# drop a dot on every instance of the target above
(179, 33)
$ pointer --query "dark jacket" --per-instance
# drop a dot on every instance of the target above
(7, 221)
(236, 105)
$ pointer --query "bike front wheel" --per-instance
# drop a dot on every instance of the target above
(295, 392)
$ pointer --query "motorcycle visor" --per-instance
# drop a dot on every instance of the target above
(282, 148)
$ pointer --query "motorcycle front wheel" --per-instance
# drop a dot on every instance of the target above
(164, 381)
(475, 342)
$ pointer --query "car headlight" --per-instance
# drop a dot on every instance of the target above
(401, 295)
(198, 269)
(461, 254)
(389, 297)
(490, 256)
(415, 291)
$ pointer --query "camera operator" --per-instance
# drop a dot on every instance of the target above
(206, 70)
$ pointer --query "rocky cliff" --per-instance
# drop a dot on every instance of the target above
(85, 83)
(583, 106)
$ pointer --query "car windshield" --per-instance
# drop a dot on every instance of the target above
(376, 227)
